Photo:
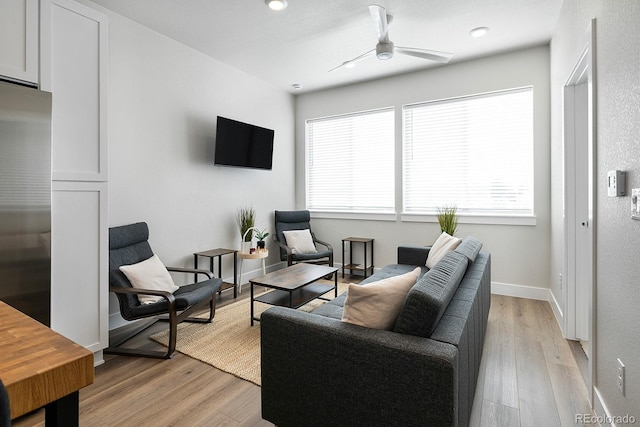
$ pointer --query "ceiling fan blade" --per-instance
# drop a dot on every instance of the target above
(379, 16)
(432, 55)
(354, 60)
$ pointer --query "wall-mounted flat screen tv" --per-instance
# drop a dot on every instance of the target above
(243, 145)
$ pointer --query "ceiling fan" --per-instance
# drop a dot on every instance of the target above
(385, 47)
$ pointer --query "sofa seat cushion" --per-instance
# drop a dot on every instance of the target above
(334, 307)
(333, 311)
(392, 270)
(428, 299)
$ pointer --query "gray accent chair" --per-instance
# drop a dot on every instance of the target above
(128, 244)
(299, 220)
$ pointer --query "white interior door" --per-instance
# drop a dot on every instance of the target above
(579, 202)
(581, 222)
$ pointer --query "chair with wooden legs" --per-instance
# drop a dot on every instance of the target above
(128, 245)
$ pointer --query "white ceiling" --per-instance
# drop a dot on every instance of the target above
(310, 37)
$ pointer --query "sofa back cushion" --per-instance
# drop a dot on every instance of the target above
(470, 247)
(429, 297)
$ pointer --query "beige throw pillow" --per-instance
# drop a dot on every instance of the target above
(149, 274)
(300, 241)
(443, 244)
(377, 305)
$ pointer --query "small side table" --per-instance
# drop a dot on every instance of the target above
(213, 253)
(261, 254)
(366, 241)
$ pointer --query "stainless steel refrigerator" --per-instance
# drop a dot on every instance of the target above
(25, 200)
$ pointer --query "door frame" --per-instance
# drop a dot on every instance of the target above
(584, 72)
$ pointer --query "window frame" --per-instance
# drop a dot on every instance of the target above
(381, 214)
(472, 217)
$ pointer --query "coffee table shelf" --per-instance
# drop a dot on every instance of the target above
(293, 286)
(299, 297)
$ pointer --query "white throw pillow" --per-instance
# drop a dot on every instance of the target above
(300, 241)
(443, 244)
(149, 274)
(377, 305)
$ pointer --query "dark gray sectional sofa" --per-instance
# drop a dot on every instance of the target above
(318, 370)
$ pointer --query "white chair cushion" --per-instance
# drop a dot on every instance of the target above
(149, 274)
(300, 241)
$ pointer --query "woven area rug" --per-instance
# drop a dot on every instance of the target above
(230, 343)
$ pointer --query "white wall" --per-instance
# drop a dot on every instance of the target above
(163, 101)
(520, 253)
(617, 307)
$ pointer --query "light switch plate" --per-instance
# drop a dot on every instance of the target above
(616, 183)
(635, 203)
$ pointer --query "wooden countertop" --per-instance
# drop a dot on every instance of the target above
(38, 365)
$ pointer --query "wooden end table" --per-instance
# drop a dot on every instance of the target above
(294, 286)
(357, 267)
(218, 253)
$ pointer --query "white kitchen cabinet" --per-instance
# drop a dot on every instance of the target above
(80, 262)
(19, 40)
(79, 68)
(74, 67)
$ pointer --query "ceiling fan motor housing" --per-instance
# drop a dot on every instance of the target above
(384, 50)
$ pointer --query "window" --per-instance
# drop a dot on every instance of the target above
(474, 152)
(350, 162)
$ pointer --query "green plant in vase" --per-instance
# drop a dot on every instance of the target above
(448, 219)
(261, 235)
(246, 219)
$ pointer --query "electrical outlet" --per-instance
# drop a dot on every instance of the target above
(620, 376)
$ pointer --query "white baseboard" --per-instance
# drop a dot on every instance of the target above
(521, 291)
(599, 407)
(116, 321)
(557, 311)
(531, 292)
(98, 358)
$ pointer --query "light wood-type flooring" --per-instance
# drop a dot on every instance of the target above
(528, 377)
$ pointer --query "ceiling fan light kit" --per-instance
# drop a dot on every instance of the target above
(479, 32)
(385, 48)
(276, 4)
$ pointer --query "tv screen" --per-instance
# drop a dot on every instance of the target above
(244, 145)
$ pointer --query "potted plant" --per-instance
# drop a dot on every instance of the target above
(246, 219)
(448, 219)
(261, 235)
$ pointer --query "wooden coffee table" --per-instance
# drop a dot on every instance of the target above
(294, 286)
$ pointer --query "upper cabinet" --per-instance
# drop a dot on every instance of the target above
(19, 40)
(76, 56)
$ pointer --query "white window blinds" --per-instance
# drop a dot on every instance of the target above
(474, 152)
(350, 162)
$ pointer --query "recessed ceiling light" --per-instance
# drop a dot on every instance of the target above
(479, 32)
(276, 4)
(296, 86)
(350, 65)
